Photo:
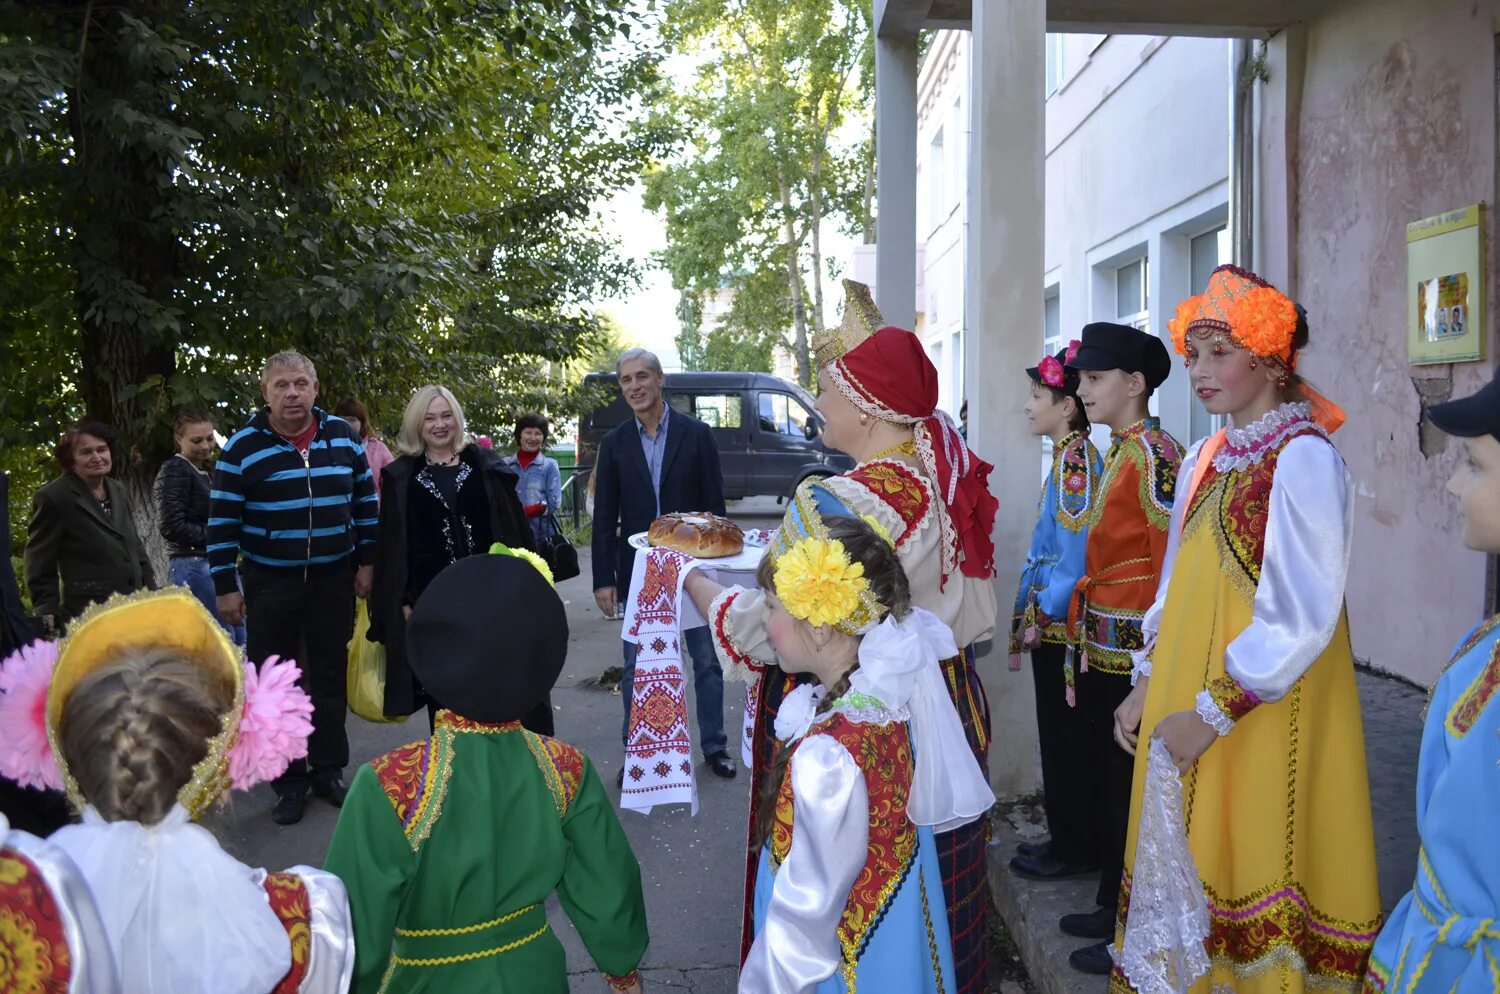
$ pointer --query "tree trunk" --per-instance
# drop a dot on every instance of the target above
(816, 226)
(125, 256)
(794, 287)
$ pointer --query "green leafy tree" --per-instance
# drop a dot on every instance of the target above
(402, 189)
(766, 160)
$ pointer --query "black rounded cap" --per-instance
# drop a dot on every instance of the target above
(488, 638)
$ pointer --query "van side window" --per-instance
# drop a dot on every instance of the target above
(717, 410)
(783, 415)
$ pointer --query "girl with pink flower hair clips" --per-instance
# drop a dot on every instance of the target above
(145, 715)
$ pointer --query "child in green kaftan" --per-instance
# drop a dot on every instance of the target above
(450, 847)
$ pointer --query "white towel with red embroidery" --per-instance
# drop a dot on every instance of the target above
(659, 739)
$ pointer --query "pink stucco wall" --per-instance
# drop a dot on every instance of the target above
(1396, 123)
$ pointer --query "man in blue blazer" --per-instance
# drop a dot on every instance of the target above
(657, 462)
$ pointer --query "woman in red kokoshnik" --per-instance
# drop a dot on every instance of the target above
(915, 476)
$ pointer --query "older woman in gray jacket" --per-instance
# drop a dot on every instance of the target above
(81, 543)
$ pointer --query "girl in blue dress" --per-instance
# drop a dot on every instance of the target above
(871, 760)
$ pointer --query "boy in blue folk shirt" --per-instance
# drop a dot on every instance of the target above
(1039, 626)
(1443, 934)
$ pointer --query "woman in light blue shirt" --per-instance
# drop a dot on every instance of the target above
(540, 480)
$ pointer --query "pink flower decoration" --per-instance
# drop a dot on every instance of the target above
(485, 441)
(274, 725)
(1072, 352)
(25, 754)
(1051, 372)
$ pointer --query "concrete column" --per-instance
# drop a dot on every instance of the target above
(896, 179)
(1003, 289)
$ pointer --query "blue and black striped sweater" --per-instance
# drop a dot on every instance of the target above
(276, 509)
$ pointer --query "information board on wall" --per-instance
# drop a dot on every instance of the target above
(1445, 287)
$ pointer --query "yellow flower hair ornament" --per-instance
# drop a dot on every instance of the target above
(817, 583)
(501, 549)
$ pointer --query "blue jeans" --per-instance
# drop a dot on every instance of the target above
(192, 572)
(708, 686)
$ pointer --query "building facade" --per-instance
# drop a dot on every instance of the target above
(1096, 188)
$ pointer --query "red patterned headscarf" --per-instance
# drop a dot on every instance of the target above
(889, 376)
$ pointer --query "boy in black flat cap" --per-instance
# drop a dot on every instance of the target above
(449, 847)
(1119, 367)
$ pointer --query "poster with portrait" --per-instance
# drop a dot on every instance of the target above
(1445, 266)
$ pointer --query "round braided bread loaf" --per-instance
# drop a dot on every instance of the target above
(700, 535)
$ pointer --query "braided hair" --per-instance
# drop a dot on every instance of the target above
(134, 728)
(889, 585)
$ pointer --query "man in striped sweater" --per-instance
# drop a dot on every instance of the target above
(294, 513)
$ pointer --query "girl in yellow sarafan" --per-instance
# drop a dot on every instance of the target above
(1261, 875)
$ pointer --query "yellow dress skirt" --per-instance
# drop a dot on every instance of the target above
(1278, 811)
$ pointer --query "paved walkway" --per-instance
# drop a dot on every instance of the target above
(1393, 732)
(693, 891)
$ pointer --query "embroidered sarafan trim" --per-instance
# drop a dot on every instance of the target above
(1234, 700)
(1237, 504)
(1276, 927)
(1111, 638)
(883, 754)
(1156, 456)
(34, 953)
(286, 894)
(1247, 446)
(561, 767)
(899, 489)
(401, 773)
(434, 788)
(1476, 697)
(1075, 480)
(458, 723)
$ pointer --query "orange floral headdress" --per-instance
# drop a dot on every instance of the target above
(1253, 313)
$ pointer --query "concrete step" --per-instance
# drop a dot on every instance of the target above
(1031, 909)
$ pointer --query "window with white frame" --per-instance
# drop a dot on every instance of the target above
(937, 179)
(1132, 305)
(1206, 252)
(1052, 321)
(1054, 70)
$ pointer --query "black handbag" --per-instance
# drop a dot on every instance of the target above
(559, 553)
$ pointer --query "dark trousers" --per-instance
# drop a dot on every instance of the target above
(309, 617)
(1098, 696)
(1069, 786)
(708, 687)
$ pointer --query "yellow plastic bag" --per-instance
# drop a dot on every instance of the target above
(366, 672)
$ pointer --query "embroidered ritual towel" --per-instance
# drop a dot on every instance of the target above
(659, 742)
(1163, 951)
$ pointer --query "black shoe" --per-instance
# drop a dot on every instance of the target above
(722, 765)
(1093, 959)
(620, 779)
(333, 791)
(1096, 924)
(289, 806)
(1047, 868)
(1036, 850)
